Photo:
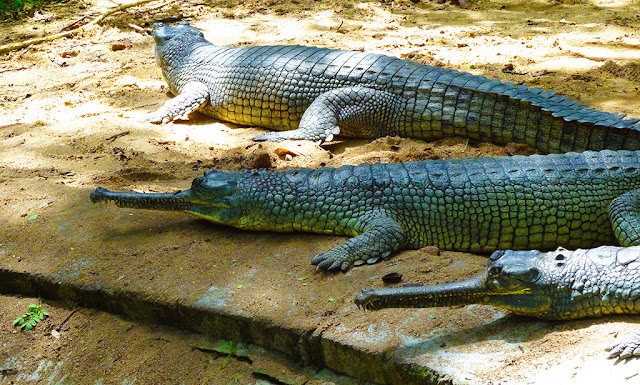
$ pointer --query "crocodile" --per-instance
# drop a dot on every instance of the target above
(315, 93)
(477, 205)
(555, 285)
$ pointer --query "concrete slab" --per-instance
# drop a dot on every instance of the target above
(260, 288)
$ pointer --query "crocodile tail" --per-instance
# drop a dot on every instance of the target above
(584, 128)
(561, 107)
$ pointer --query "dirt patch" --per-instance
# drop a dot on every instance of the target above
(72, 119)
(77, 345)
(629, 71)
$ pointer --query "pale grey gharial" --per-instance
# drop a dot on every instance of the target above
(317, 93)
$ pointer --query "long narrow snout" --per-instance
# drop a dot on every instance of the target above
(448, 294)
(179, 201)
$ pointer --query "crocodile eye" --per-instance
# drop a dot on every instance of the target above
(197, 181)
(532, 275)
(494, 271)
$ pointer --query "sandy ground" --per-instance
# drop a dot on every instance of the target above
(72, 109)
(77, 346)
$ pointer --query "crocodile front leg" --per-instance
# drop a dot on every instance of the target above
(629, 346)
(350, 111)
(379, 236)
(625, 218)
(192, 96)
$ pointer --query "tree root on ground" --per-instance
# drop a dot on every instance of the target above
(13, 46)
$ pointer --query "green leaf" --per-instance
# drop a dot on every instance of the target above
(32, 217)
(301, 278)
(226, 347)
(331, 299)
(34, 314)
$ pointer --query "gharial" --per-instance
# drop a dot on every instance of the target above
(475, 205)
(317, 93)
(556, 285)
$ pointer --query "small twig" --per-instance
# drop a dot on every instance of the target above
(65, 320)
(140, 29)
(73, 23)
(26, 51)
(143, 106)
(631, 376)
(116, 136)
(53, 60)
(16, 69)
(162, 5)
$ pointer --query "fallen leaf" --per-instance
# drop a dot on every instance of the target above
(120, 45)
(284, 151)
(69, 54)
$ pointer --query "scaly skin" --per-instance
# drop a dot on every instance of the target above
(557, 285)
(474, 205)
(319, 92)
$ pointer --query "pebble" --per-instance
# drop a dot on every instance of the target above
(432, 250)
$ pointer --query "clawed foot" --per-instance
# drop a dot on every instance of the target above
(156, 118)
(332, 261)
(279, 136)
(380, 236)
(628, 347)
